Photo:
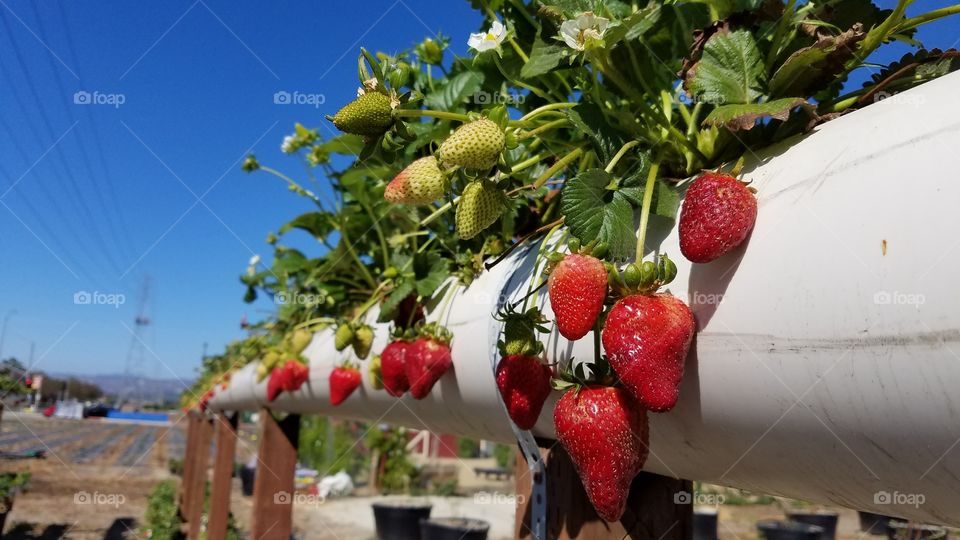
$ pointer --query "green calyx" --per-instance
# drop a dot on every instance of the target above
(642, 278)
(520, 331)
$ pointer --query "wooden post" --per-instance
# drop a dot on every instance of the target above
(223, 467)
(186, 465)
(197, 486)
(273, 485)
(652, 513)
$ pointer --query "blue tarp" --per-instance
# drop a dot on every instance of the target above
(148, 417)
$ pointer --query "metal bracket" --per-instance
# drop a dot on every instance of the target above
(528, 445)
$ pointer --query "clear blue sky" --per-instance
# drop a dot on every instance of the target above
(103, 195)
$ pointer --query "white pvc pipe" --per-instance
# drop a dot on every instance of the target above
(826, 367)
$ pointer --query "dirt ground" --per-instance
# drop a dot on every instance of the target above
(97, 475)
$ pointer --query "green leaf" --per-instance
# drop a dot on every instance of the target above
(633, 26)
(543, 58)
(730, 70)
(588, 119)
(317, 224)
(388, 308)
(810, 68)
(666, 198)
(430, 272)
(595, 212)
(344, 144)
(459, 88)
(741, 116)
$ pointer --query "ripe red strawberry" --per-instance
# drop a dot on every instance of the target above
(647, 339)
(343, 381)
(428, 358)
(718, 214)
(578, 286)
(419, 183)
(275, 383)
(606, 435)
(524, 385)
(393, 371)
(295, 374)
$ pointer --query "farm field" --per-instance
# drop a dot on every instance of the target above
(97, 475)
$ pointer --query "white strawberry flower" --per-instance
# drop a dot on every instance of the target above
(287, 146)
(489, 40)
(583, 31)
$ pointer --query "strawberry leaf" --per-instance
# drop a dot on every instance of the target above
(595, 212)
(588, 119)
(543, 58)
(815, 66)
(458, 89)
(730, 69)
(745, 116)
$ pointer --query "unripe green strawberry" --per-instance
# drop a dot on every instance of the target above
(476, 145)
(480, 205)
(370, 114)
(344, 336)
(299, 340)
(362, 340)
(420, 183)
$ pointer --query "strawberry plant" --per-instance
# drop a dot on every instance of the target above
(613, 112)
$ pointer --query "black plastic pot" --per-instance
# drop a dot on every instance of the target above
(788, 530)
(247, 475)
(400, 520)
(454, 529)
(704, 525)
(901, 530)
(874, 523)
(826, 520)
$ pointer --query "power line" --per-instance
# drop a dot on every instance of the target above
(77, 196)
(125, 245)
(16, 140)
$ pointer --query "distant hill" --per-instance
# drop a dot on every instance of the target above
(122, 385)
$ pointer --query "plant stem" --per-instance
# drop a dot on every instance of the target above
(929, 16)
(438, 212)
(877, 35)
(778, 35)
(527, 163)
(293, 184)
(522, 239)
(620, 153)
(558, 166)
(540, 129)
(551, 107)
(645, 209)
(416, 113)
(374, 298)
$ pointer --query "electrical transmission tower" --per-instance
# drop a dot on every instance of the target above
(136, 354)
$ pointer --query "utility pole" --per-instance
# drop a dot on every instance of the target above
(3, 332)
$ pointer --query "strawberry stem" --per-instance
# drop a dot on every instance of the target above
(620, 153)
(645, 209)
(557, 167)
